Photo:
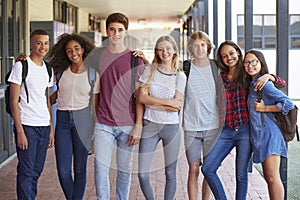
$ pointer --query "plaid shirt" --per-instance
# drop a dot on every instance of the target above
(236, 102)
(279, 82)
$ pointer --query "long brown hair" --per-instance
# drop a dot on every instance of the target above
(239, 73)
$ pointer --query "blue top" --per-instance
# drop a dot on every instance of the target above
(266, 137)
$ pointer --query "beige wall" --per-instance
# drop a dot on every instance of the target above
(43, 11)
(103, 27)
(83, 20)
(40, 10)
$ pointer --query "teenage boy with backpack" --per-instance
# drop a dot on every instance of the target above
(116, 120)
(32, 119)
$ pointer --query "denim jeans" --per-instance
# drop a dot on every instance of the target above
(69, 144)
(229, 138)
(104, 140)
(152, 134)
(31, 161)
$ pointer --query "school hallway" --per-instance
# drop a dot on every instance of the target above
(49, 187)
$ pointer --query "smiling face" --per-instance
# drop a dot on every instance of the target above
(165, 52)
(252, 65)
(116, 33)
(229, 55)
(74, 52)
(39, 45)
(199, 49)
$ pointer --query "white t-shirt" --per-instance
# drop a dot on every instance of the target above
(34, 113)
(200, 109)
(74, 90)
(163, 86)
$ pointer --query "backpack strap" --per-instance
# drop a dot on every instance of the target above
(58, 76)
(297, 133)
(92, 62)
(24, 75)
(187, 68)
(49, 70)
(92, 80)
(262, 114)
(93, 58)
(134, 66)
(92, 76)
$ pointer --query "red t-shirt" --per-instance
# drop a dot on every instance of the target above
(115, 103)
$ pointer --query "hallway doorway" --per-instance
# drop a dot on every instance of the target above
(12, 41)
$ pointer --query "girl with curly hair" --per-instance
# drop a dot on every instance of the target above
(74, 125)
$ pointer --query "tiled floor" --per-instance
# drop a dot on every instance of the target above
(49, 188)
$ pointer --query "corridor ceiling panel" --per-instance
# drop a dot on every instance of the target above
(154, 12)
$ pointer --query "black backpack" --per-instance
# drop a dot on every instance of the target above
(24, 75)
(286, 123)
(187, 68)
(134, 64)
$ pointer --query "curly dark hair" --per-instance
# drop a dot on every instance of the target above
(58, 58)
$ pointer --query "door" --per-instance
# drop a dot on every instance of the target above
(12, 37)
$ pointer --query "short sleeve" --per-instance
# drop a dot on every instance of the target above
(96, 89)
(51, 82)
(145, 75)
(93, 58)
(16, 74)
(181, 82)
(140, 69)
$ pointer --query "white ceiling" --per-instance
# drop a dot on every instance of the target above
(157, 13)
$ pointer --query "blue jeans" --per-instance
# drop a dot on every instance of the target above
(70, 144)
(104, 140)
(229, 138)
(152, 134)
(31, 161)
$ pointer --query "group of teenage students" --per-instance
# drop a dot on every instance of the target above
(218, 99)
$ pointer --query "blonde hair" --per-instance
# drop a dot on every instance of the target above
(201, 36)
(156, 60)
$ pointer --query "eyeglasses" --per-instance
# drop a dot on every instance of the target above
(253, 63)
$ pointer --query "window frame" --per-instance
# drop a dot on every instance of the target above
(263, 36)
